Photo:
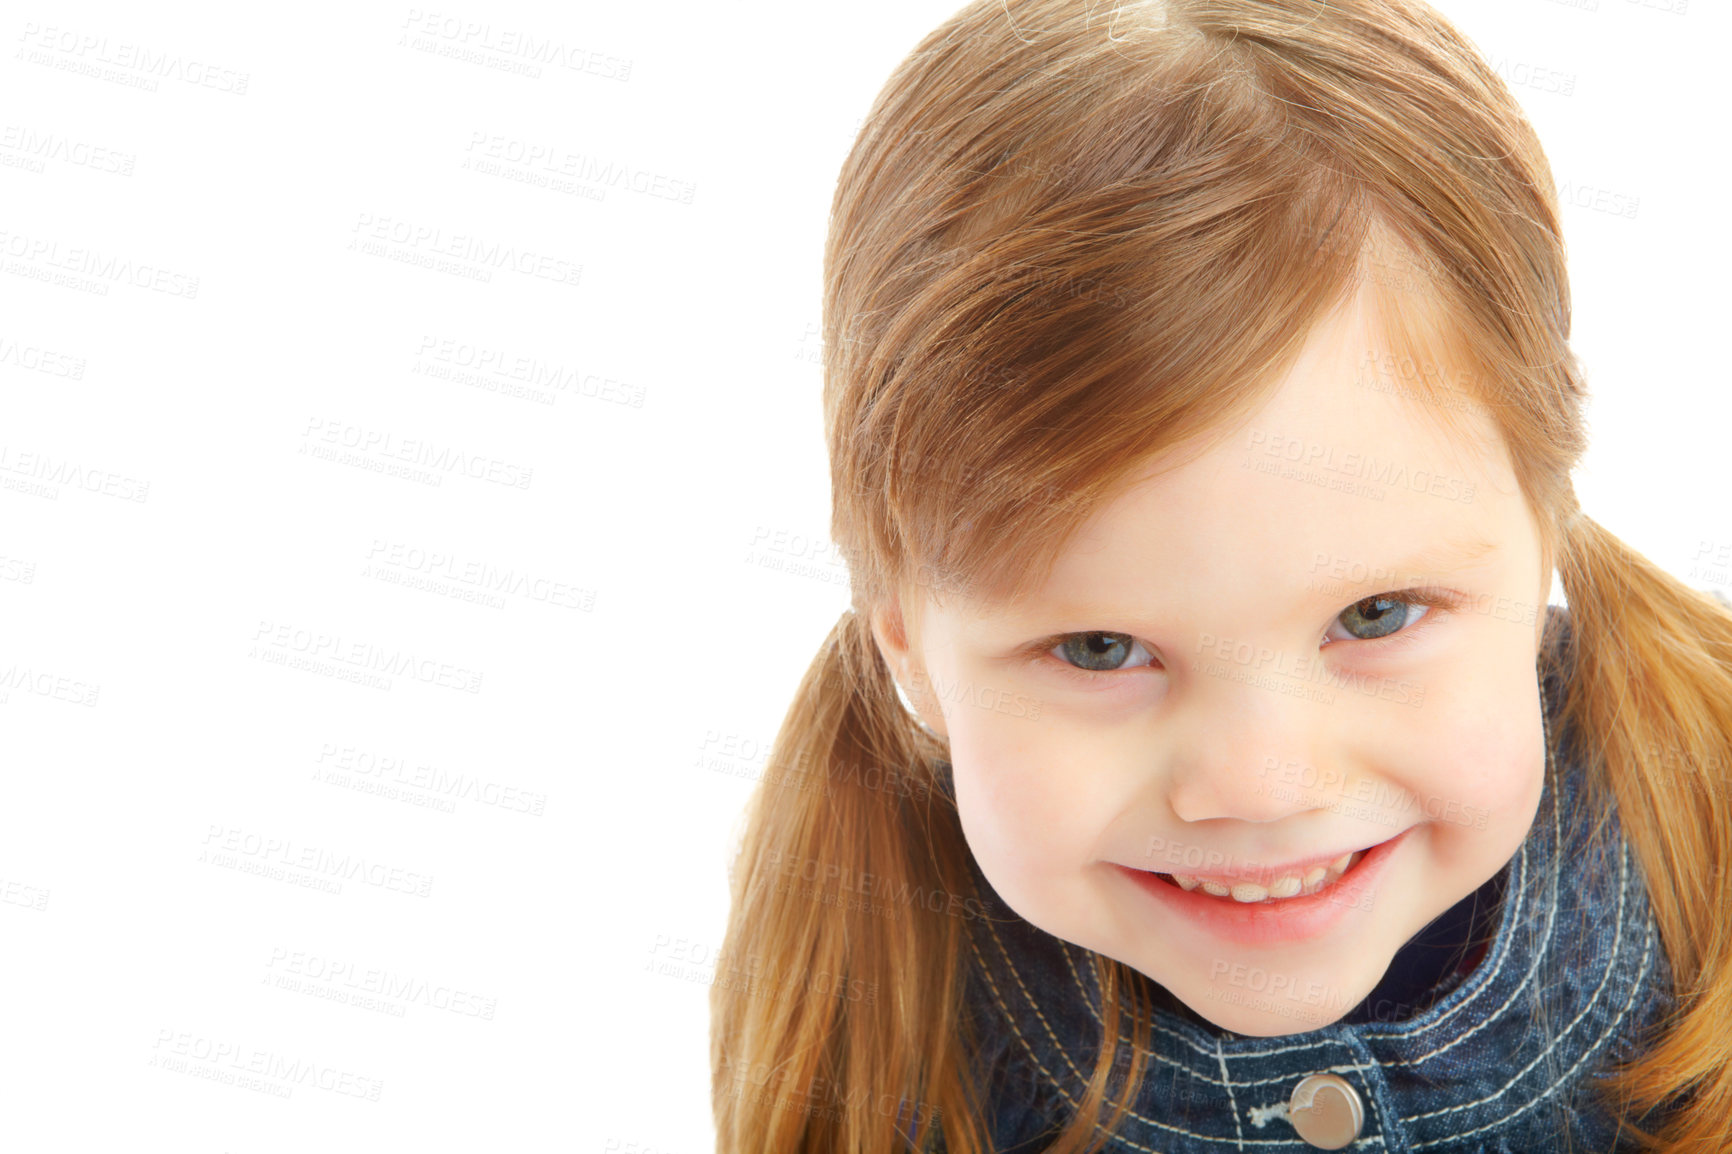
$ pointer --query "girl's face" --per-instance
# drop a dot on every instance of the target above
(1211, 693)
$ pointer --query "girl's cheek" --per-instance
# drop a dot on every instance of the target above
(1480, 722)
(1027, 796)
(1483, 780)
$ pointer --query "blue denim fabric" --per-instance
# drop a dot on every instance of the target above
(1575, 978)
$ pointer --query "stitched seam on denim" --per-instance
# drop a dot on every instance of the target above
(1035, 1006)
(1010, 1019)
(1504, 946)
(1033, 1057)
(1125, 1039)
(1497, 1015)
(1495, 965)
(1198, 1074)
(1610, 1032)
(1559, 1038)
(1374, 1092)
(1492, 965)
(1232, 1098)
(1539, 956)
(1130, 1112)
(1057, 1045)
(1545, 946)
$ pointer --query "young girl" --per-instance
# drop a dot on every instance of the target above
(1200, 766)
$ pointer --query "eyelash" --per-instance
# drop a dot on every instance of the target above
(1431, 599)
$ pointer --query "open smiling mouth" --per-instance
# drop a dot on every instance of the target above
(1266, 908)
(1296, 885)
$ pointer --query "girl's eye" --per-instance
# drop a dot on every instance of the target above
(1384, 614)
(1101, 652)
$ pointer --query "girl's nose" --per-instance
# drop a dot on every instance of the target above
(1253, 760)
(1238, 790)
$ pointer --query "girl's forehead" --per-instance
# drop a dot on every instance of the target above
(1379, 393)
(1357, 402)
(1358, 375)
(1335, 471)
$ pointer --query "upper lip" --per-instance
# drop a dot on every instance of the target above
(1259, 874)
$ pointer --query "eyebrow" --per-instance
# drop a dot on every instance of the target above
(1454, 553)
(1450, 554)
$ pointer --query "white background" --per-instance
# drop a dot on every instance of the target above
(570, 821)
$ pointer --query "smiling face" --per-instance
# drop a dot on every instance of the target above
(1271, 651)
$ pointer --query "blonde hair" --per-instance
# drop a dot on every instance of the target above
(1067, 237)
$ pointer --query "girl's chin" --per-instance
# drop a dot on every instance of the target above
(1232, 1003)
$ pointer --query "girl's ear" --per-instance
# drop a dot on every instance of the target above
(890, 631)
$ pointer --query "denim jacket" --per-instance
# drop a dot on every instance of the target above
(1573, 976)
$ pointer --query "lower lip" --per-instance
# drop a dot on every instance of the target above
(1277, 922)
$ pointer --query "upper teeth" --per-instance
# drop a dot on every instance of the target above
(1291, 885)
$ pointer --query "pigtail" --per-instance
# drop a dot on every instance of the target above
(1652, 682)
(833, 1008)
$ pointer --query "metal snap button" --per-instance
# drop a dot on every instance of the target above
(1326, 1111)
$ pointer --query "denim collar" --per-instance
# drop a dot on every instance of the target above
(1575, 977)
